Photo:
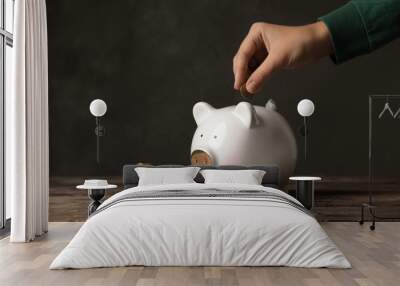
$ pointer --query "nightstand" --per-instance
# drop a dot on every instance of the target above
(96, 190)
(305, 190)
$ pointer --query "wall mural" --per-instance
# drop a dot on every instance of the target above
(150, 84)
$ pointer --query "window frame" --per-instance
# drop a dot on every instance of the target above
(6, 39)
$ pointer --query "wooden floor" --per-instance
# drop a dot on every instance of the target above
(375, 257)
(336, 198)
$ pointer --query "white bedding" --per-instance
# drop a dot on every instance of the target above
(200, 231)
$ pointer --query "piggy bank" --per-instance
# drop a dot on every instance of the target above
(243, 135)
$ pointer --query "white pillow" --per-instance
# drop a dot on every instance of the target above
(164, 176)
(248, 177)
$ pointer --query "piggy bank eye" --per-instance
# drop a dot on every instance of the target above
(215, 136)
(201, 135)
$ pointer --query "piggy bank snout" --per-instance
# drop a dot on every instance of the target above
(202, 158)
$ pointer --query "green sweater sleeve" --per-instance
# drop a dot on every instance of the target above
(361, 26)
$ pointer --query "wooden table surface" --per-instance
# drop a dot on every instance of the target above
(337, 198)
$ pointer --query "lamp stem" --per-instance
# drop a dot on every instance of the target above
(305, 138)
(97, 140)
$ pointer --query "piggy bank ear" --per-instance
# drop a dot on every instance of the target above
(270, 105)
(246, 113)
(201, 110)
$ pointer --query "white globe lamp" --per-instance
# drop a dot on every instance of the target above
(98, 108)
(305, 108)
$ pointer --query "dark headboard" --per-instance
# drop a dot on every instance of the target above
(271, 179)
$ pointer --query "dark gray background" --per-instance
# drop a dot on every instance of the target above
(152, 60)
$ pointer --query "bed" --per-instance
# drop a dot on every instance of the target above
(201, 224)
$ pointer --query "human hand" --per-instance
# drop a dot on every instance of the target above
(269, 47)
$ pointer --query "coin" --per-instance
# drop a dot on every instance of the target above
(244, 92)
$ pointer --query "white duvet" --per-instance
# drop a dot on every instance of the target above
(199, 231)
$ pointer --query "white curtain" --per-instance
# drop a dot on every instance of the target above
(27, 168)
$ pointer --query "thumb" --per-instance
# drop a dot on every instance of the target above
(263, 72)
